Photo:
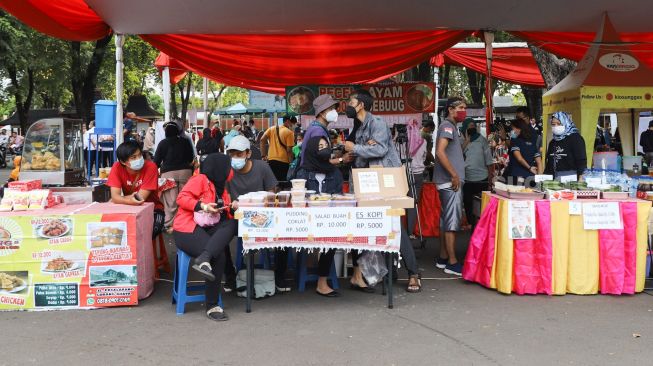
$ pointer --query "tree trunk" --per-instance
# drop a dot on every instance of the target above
(173, 103)
(445, 81)
(23, 103)
(533, 101)
(185, 98)
(552, 68)
(84, 79)
(476, 83)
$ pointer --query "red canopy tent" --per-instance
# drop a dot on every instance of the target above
(177, 70)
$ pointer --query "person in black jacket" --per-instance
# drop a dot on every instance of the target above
(207, 145)
(646, 142)
(323, 177)
(566, 153)
(174, 156)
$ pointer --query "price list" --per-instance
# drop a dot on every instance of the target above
(56, 294)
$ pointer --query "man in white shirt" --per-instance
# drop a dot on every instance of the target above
(106, 143)
(90, 144)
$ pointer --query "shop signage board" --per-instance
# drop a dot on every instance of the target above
(602, 216)
(366, 228)
(67, 261)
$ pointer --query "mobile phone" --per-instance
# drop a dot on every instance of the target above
(137, 197)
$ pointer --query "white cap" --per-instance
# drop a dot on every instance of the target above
(240, 143)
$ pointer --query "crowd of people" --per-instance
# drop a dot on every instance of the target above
(223, 165)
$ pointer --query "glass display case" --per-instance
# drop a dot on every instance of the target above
(53, 152)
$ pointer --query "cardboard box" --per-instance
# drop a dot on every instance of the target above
(382, 187)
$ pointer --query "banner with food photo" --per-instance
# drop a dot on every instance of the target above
(67, 261)
(389, 98)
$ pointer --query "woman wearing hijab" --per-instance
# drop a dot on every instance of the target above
(204, 225)
(174, 156)
(478, 160)
(525, 158)
(566, 153)
(207, 144)
(323, 177)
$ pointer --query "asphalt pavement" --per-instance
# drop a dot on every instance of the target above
(451, 322)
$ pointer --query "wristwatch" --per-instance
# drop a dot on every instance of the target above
(339, 160)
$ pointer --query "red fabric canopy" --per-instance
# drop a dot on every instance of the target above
(574, 45)
(177, 70)
(271, 62)
(510, 64)
(72, 20)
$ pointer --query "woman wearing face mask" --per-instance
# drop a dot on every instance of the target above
(321, 176)
(174, 156)
(134, 181)
(525, 159)
(204, 225)
(478, 160)
(566, 153)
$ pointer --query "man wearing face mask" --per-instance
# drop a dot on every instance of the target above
(478, 161)
(252, 176)
(449, 176)
(373, 145)
(134, 181)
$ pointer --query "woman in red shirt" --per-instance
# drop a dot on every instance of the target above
(134, 181)
(206, 193)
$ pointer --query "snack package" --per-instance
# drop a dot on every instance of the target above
(25, 185)
(38, 199)
(7, 202)
(21, 201)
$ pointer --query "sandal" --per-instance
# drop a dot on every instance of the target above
(416, 287)
(204, 268)
(217, 313)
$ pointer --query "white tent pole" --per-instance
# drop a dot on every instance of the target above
(206, 102)
(120, 41)
(436, 78)
(166, 93)
(489, 38)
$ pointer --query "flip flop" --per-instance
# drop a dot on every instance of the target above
(204, 269)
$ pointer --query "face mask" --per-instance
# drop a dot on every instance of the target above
(558, 130)
(513, 135)
(332, 116)
(238, 163)
(351, 111)
(324, 154)
(137, 164)
(460, 116)
(471, 132)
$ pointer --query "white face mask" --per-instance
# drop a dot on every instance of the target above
(137, 164)
(558, 130)
(332, 116)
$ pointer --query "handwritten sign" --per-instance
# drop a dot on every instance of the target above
(521, 219)
(602, 216)
(368, 182)
(575, 208)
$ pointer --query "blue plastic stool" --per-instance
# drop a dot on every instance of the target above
(265, 257)
(303, 276)
(180, 290)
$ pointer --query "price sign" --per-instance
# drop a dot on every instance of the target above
(602, 216)
(55, 294)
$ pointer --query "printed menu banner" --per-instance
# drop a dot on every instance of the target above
(389, 98)
(366, 228)
(67, 262)
(521, 219)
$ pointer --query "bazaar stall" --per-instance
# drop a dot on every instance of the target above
(370, 220)
(578, 246)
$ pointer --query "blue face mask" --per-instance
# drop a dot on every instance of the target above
(137, 164)
(238, 163)
(513, 135)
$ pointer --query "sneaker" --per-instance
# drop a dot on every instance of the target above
(454, 269)
(282, 285)
(441, 262)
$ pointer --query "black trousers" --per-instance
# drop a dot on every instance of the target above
(280, 169)
(106, 159)
(213, 240)
(471, 189)
(325, 262)
(93, 169)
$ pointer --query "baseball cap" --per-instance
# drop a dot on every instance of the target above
(239, 143)
(323, 102)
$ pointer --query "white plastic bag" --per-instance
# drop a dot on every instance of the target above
(373, 267)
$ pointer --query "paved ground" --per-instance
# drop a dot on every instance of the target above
(451, 322)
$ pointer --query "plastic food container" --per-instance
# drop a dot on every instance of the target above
(283, 199)
(298, 183)
(298, 204)
(314, 203)
(298, 193)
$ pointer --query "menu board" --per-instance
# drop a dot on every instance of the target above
(370, 228)
(67, 261)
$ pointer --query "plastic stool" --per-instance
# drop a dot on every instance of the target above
(265, 259)
(180, 290)
(303, 276)
(161, 260)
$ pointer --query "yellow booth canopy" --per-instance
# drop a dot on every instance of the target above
(609, 79)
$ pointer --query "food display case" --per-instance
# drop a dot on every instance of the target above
(53, 152)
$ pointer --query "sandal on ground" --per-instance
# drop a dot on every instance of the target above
(217, 313)
(414, 288)
(205, 269)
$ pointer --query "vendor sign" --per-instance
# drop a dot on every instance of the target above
(521, 219)
(67, 261)
(400, 98)
(364, 228)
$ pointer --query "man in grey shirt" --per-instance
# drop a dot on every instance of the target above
(449, 176)
(478, 160)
